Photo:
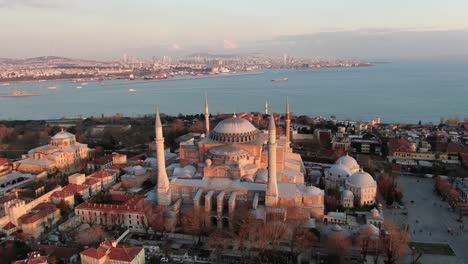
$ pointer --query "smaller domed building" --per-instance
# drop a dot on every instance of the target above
(356, 186)
(63, 153)
(363, 186)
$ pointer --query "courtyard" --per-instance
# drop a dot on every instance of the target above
(430, 220)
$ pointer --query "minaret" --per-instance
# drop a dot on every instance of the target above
(272, 188)
(287, 123)
(207, 117)
(164, 194)
(266, 107)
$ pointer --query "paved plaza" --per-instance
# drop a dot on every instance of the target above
(430, 219)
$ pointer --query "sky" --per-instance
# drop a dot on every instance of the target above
(105, 29)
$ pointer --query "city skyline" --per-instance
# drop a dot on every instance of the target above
(84, 29)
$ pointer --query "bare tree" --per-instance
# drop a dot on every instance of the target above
(193, 221)
(91, 236)
(338, 246)
(219, 240)
(157, 217)
(300, 239)
(395, 242)
(367, 241)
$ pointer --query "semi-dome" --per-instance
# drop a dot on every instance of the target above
(339, 170)
(312, 190)
(349, 162)
(234, 129)
(227, 150)
(361, 179)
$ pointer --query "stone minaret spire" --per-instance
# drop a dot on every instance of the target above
(207, 117)
(164, 196)
(266, 107)
(287, 123)
(272, 188)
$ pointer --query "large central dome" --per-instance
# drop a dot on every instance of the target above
(234, 130)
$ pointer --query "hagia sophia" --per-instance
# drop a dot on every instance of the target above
(235, 162)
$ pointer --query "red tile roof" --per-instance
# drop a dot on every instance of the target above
(4, 162)
(129, 203)
(74, 188)
(100, 175)
(62, 194)
(37, 213)
(127, 254)
(94, 253)
(9, 226)
(36, 260)
(456, 148)
(90, 181)
(7, 198)
(399, 144)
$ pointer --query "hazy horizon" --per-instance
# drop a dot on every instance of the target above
(361, 29)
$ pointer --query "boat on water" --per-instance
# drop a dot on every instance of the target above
(131, 90)
(18, 93)
(6, 84)
(85, 83)
(79, 87)
(280, 80)
(52, 87)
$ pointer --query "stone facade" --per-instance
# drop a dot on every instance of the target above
(63, 153)
(237, 163)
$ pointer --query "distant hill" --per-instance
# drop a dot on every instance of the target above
(48, 60)
(211, 55)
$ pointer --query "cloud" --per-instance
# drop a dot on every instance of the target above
(229, 44)
(31, 3)
(370, 43)
(176, 46)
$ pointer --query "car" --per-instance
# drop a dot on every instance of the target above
(164, 259)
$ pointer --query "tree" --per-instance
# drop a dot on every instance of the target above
(55, 260)
(395, 243)
(158, 217)
(219, 240)
(300, 239)
(194, 222)
(64, 207)
(78, 199)
(367, 240)
(338, 245)
(91, 236)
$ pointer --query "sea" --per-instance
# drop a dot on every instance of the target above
(400, 91)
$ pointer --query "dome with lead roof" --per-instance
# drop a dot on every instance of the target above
(339, 170)
(63, 135)
(234, 130)
(361, 179)
(348, 162)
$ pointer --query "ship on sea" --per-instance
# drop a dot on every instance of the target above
(280, 80)
(17, 93)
